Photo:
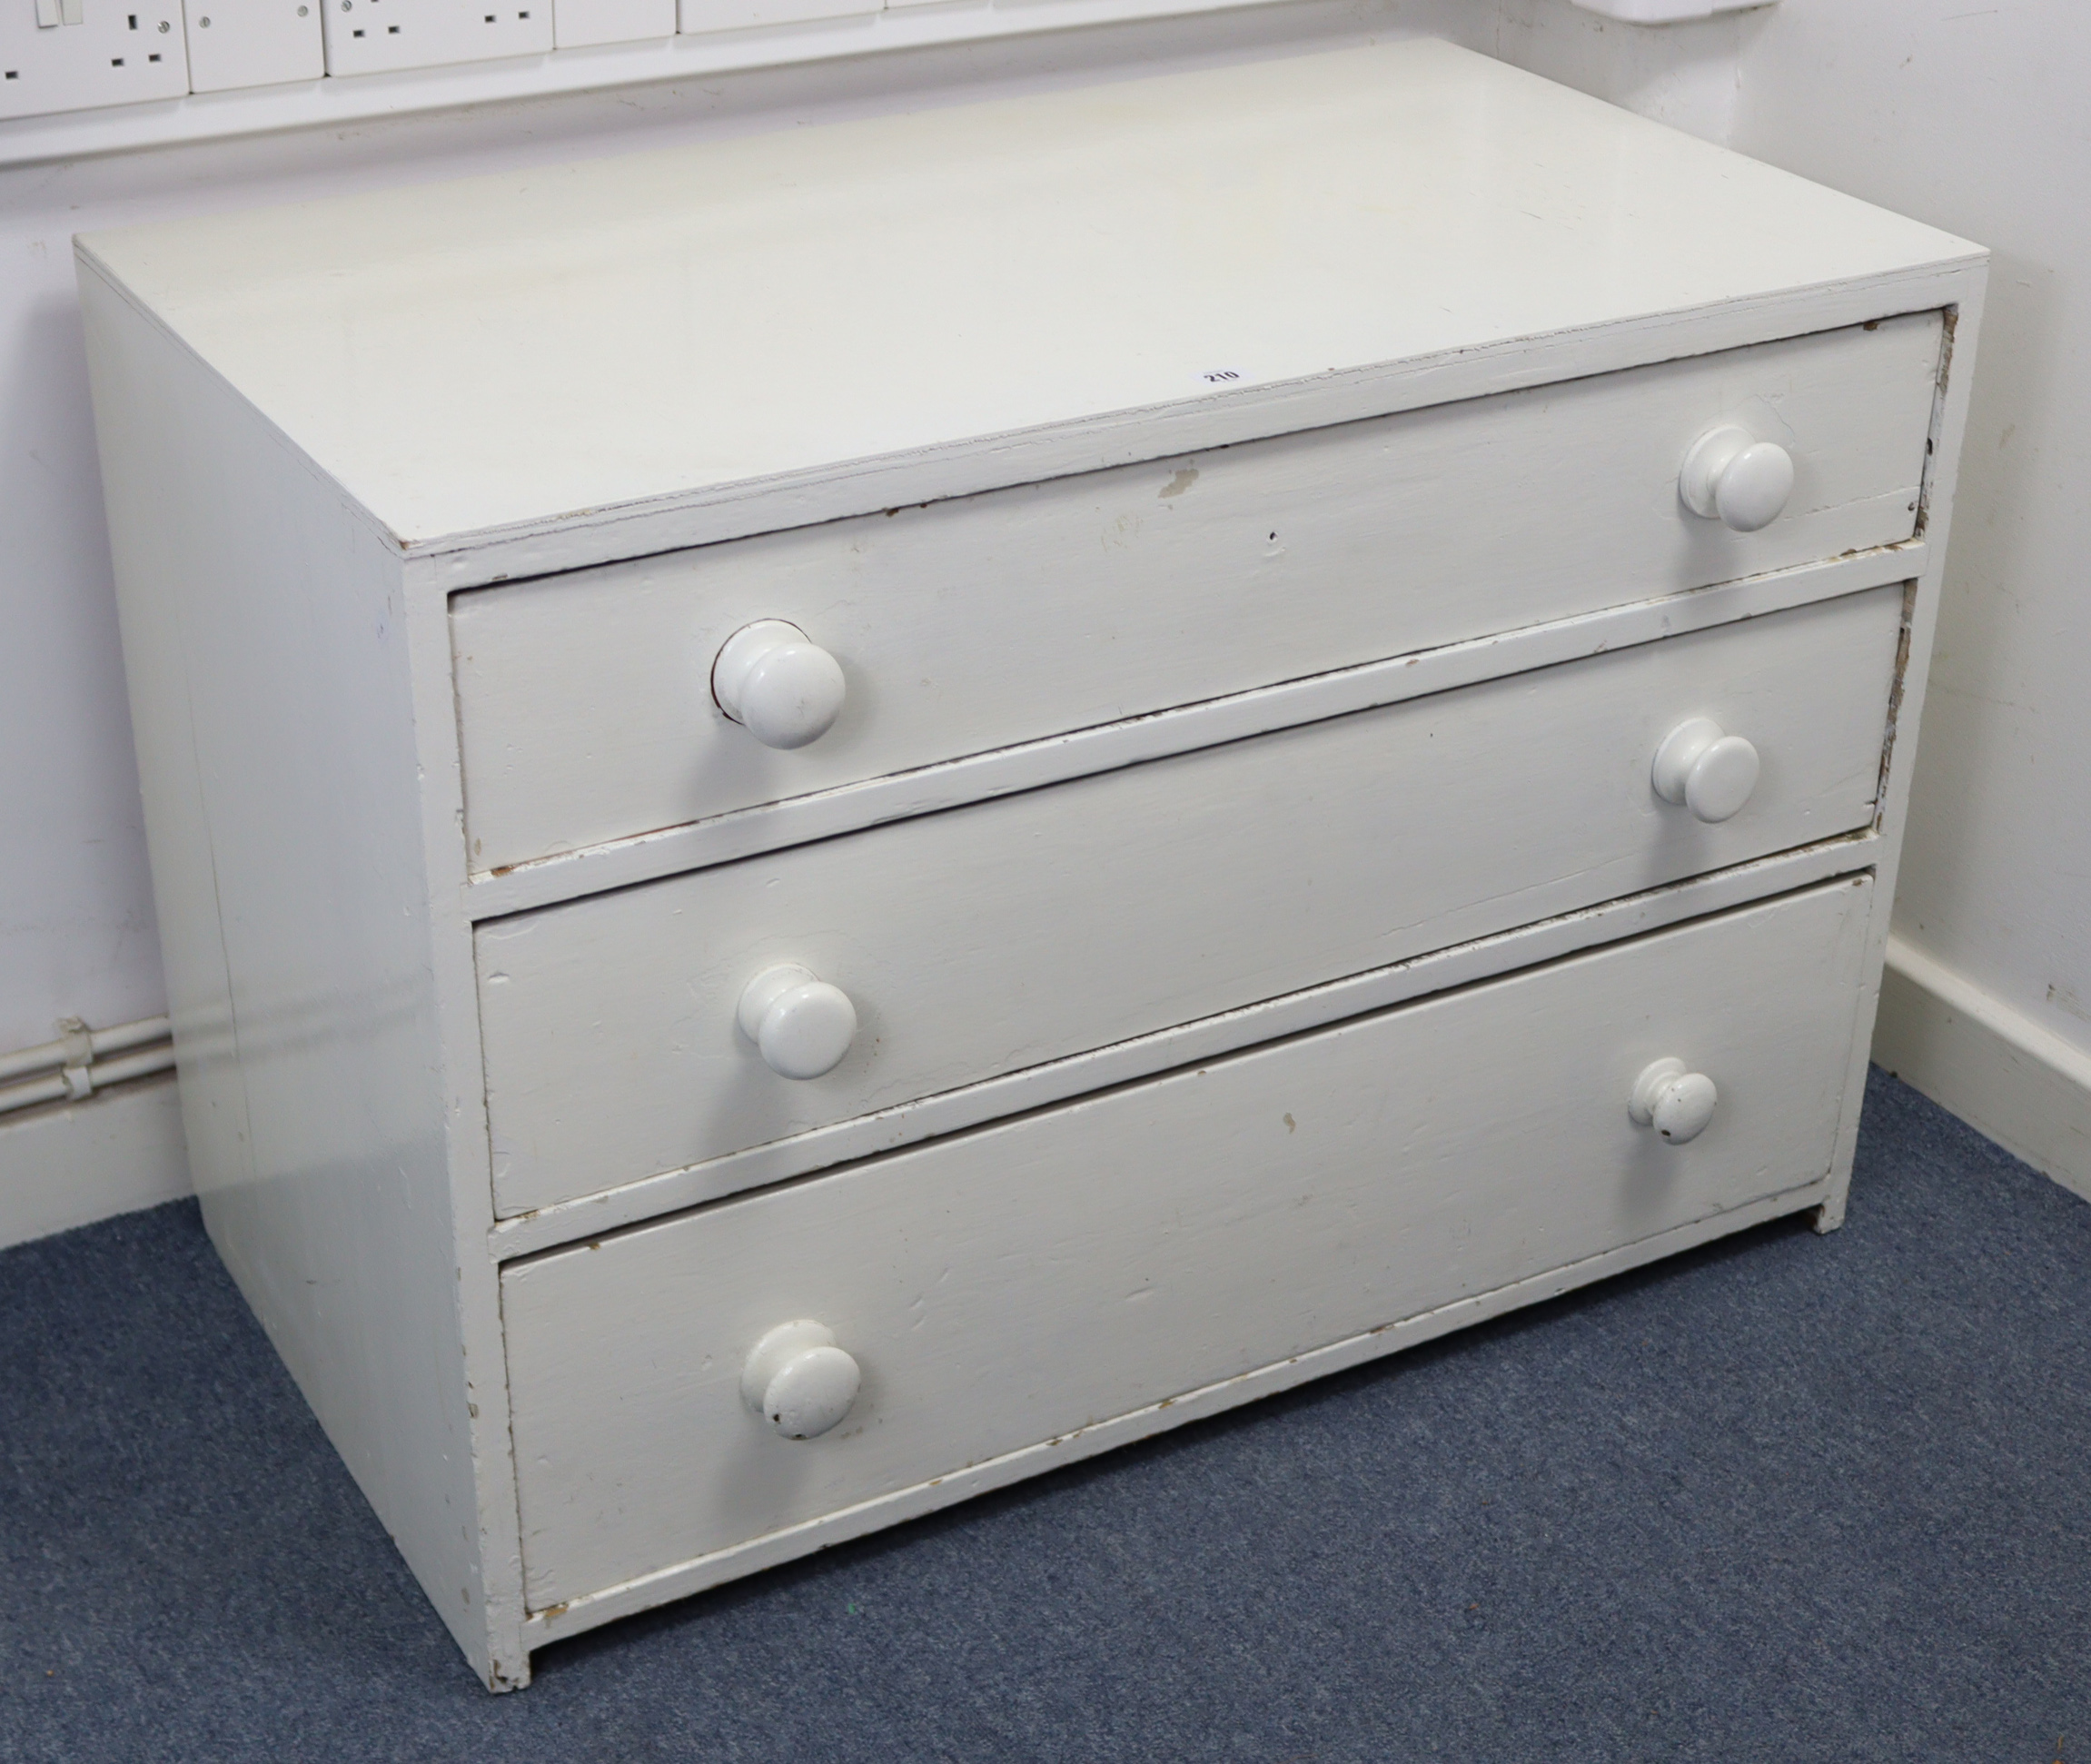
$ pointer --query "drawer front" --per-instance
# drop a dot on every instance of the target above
(585, 702)
(1023, 929)
(1014, 1284)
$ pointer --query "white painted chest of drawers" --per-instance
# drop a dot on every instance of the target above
(840, 815)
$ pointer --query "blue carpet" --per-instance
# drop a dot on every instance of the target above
(1786, 1498)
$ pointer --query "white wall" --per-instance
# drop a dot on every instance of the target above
(1977, 118)
(1970, 118)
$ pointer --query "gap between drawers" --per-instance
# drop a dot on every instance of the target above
(1140, 1058)
(1009, 771)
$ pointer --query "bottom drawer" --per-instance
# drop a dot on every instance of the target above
(1011, 1285)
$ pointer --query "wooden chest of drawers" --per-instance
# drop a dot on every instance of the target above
(840, 816)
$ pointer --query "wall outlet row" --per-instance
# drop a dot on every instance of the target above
(83, 54)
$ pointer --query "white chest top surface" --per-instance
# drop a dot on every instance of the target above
(504, 351)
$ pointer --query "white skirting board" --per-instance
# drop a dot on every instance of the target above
(1988, 1063)
(71, 1164)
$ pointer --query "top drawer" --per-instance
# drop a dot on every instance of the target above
(585, 700)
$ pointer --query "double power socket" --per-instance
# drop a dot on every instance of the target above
(84, 54)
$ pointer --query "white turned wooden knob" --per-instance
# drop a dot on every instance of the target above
(1710, 773)
(799, 1381)
(1676, 1101)
(784, 690)
(1731, 475)
(802, 1025)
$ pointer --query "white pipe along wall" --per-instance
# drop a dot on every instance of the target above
(1984, 1005)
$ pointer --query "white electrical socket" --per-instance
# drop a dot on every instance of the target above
(580, 23)
(378, 36)
(698, 15)
(236, 43)
(91, 53)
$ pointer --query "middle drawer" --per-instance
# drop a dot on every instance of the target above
(1025, 930)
